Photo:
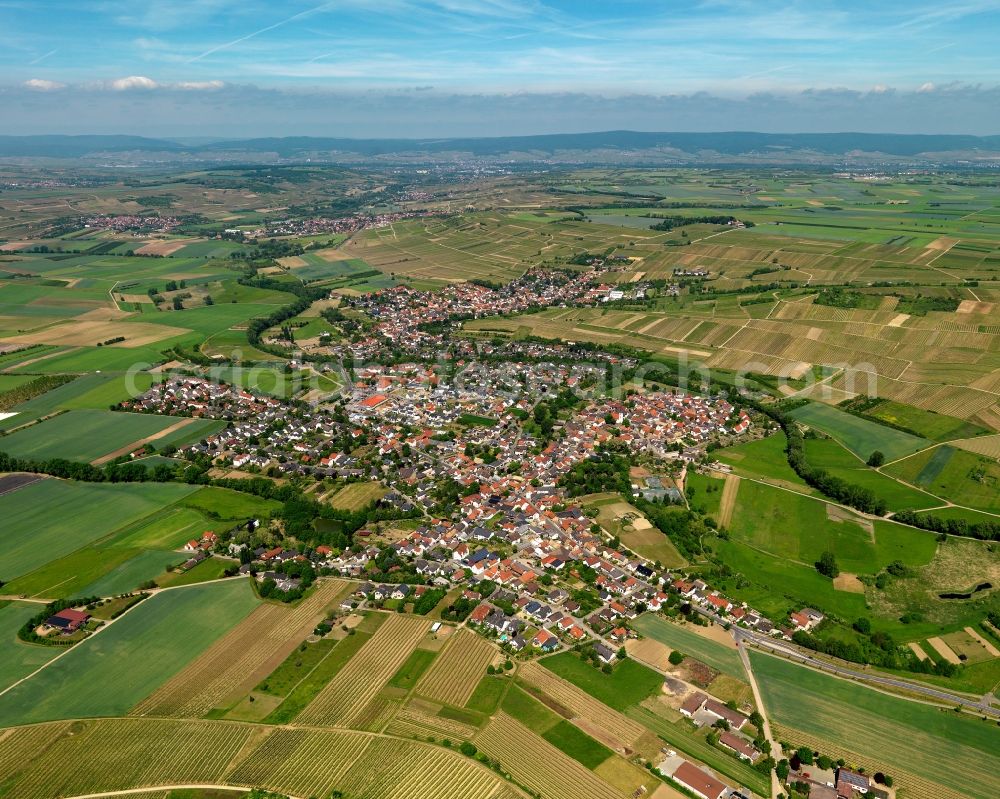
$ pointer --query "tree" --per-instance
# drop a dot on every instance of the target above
(876, 459)
(676, 658)
(209, 300)
(178, 303)
(827, 565)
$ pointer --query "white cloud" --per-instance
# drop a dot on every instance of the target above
(200, 85)
(133, 82)
(42, 85)
(879, 88)
(926, 87)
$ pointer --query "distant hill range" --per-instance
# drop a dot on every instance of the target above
(610, 147)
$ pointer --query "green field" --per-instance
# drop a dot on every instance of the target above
(799, 529)
(959, 752)
(85, 435)
(410, 672)
(764, 458)
(19, 659)
(859, 435)
(958, 476)
(831, 456)
(688, 642)
(108, 673)
(627, 685)
(49, 519)
(934, 426)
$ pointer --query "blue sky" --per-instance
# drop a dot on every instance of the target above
(291, 57)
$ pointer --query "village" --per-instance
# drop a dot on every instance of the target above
(514, 557)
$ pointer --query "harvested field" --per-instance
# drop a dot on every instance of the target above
(621, 729)
(848, 582)
(235, 663)
(537, 764)
(457, 671)
(944, 650)
(343, 699)
(918, 650)
(92, 333)
(984, 445)
(991, 650)
(164, 248)
(728, 501)
(646, 650)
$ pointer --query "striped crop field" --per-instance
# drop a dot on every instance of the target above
(538, 765)
(302, 762)
(582, 705)
(117, 754)
(457, 671)
(343, 700)
(411, 723)
(235, 663)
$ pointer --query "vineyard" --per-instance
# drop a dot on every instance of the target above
(538, 765)
(107, 755)
(412, 723)
(117, 754)
(457, 671)
(583, 705)
(303, 762)
(342, 701)
(237, 661)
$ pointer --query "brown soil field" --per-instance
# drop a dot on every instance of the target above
(990, 649)
(917, 650)
(167, 247)
(136, 444)
(942, 243)
(292, 261)
(728, 500)
(90, 334)
(944, 650)
(646, 650)
(848, 582)
(972, 306)
(235, 663)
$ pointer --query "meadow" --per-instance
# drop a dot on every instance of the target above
(109, 672)
(720, 657)
(960, 477)
(957, 752)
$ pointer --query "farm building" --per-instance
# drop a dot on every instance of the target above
(699, 782)
(68, 620)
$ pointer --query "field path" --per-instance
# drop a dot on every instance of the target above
(776, 750)
(141, 442)
(166, 789)
(728, 501)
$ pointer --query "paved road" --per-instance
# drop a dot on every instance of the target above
(786, 649)
(776, 751)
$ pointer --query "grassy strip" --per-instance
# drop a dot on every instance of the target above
(313, 682)
(681, 736)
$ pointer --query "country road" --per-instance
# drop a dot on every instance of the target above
(791, 651)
